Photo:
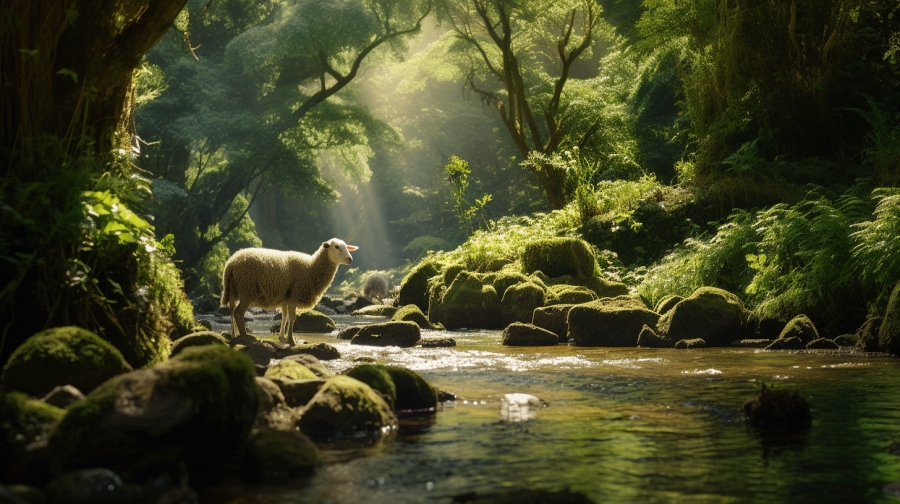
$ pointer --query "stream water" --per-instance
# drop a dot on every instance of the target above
(621, 425)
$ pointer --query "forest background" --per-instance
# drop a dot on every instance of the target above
(751, 144)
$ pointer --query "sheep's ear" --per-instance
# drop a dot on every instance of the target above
(325, 244)
(351, 248)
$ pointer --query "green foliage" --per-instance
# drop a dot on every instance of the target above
(458, 172)
(876, 245)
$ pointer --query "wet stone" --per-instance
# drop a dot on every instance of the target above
(437, 342)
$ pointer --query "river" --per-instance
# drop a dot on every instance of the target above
(622, 425)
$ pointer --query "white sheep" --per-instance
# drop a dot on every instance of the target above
(376, 286)
(270, 279)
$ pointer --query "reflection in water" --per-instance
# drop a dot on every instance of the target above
(520, 407)
(625, 425)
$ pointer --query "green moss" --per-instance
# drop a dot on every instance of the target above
(312, 321)
(413, 391)
(377, 378)
(520, 301)
(276, 453)
(801, 327)
(889, 333)
(290, 370)
(469, 303)
(596, 324)
(412, 313)
(603, 287)
(451, 272)
(714, 315)
(376, 311)
(667, 303)
(62, 356)
(505, 280)
(570, 294)
(24, 420)
(345, 405)
(414, 286)
(560, 256)
(197, 339)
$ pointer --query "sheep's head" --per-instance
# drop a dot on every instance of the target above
(338, 251)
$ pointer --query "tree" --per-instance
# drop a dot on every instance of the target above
(519, 56)
(272, 100)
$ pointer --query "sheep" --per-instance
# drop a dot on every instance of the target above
(375, 286)
(269, 279)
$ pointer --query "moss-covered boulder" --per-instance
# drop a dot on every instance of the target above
(375, 311)
(553, 318)
(276, 454)
(347, 333)
(197, 339)
(560, 256)
(412, 313)
(321, 351)
(24, 421)
(649, 339)
(867, 334)
(504, 280)
(889, 332)
(450, 272)
(378, 378)
(623, 301)
(519, 334)
(437, 342)
(569, 294)
(401, 334)
(62, 356)
(800, 327)
(312, 321)
(414, 286)
(196, 408)
(778, 409)
(259, 353)
(519, 302)
(667, 303)
(595, 324)
(346, 406)
(471, 304)
(414, 393)
(603, 287)
(290, 370)
(298, 393)
(312, 363)
(714, 315)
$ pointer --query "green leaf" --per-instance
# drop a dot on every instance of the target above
(66, 71)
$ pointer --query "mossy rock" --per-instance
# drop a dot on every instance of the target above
(765, 327)
(376, 311)
(889, 332)
(62, 356)
(667, 303)
(519, 334)
(778, 409)
(312, 363)
(290, 370)
(378, 378)
(197, 339)
(649, 339)
(451, 272)
(539, 278)
(277, 454)
(471, 304)
(625, 301)
(346, 406)
(800, 327)
(553, 318)
(560, 256)
(603, 287)
(519, 302)
(714, 315)
(414, 286)
(867, 334)
(321, 351)
(196, 408)
(594, 324)
(505, 280)
(312, 321)
(412, 313)
(401, 334)
(414, 393)
(436, 303)
(569, 294)
(24, 421)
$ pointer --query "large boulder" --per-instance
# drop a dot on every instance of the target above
(290, 370)
(667, 303)
(778, 409)
(560, 256)
(504, 280)
(277, 454)
(519, 334)
(62, 356)
(414, 393)
(716, 316)
(312, 363)
(311, 321)
(378, 378)
(471, 304)
(596, 324)
(321, 351)
(401, 334)
(569, 294)
(553, 318)
(414, 286)
(298, 393)
(196, 409)
(346, 406)
(412, 313)
(197, 339)
(376, 310)
(24, 421)
(889, 332)
(519, 302)
(603, 287)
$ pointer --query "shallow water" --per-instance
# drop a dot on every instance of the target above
(622, 425)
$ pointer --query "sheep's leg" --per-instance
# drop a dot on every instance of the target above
(290, 313)
(237, 318)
